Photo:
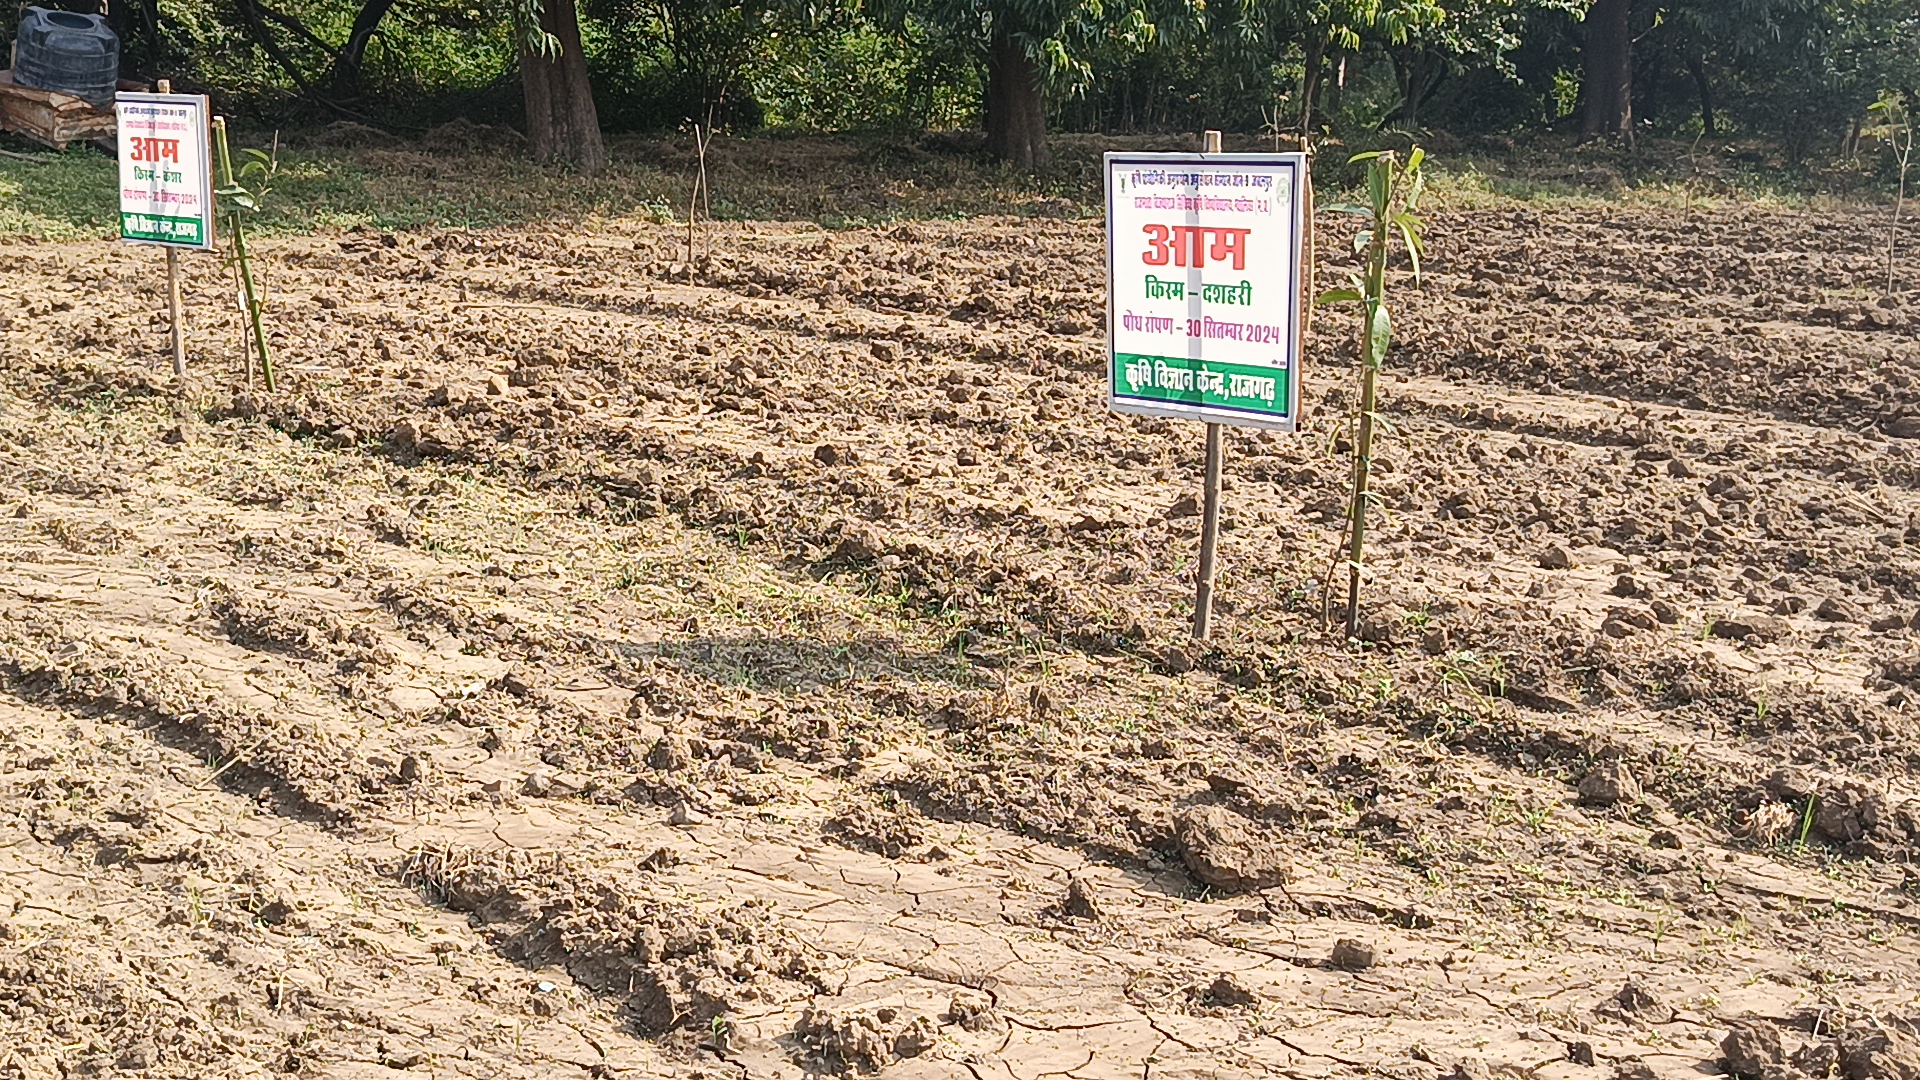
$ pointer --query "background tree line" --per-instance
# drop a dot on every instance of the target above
(1798, 74)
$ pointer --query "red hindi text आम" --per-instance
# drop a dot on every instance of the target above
(151, 149)
(1186, 245)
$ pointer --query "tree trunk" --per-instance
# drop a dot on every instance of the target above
(1606, 68)
(562, 124)
(1435, 75)
(1403, 77)
(1699, 69)
(346, 67)
(138, 24)
(1310, 81)
(1417, 70)
(1016, 112)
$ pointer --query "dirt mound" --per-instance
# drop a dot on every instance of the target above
(462, 136)
(348, 135)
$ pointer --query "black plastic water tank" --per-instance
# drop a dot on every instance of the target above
(74, 54)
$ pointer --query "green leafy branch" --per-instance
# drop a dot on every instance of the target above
(258, 170)
(531, 37)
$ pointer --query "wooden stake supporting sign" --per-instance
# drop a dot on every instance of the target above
(1204, 302)
(1209, 534)
(173, 315)
(165, 86)
(1209, 495)
(166, 185)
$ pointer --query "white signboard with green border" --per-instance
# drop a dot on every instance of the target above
(1203, 286)
(166, 169)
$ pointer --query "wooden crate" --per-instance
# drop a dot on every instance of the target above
(49, 117)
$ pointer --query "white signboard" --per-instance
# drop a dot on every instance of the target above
(166, 173)
(1203, 286)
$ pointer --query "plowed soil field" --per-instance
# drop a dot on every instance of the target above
(596, 663)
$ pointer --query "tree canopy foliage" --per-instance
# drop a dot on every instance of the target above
(1798, 73)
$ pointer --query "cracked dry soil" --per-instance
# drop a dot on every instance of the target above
(595, 664)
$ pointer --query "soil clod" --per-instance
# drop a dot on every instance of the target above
(1609, 783)
(1351, 955)
(1753, 1051)
(1224, 851)
(1231, 991)
(1082, 900)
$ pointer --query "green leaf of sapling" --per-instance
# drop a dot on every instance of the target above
(1379, 330)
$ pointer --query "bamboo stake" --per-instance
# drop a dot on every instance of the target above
(246, 341)
(1362, 468)
(1210, 502)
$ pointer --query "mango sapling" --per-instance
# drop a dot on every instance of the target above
(240, 199)
(1895, 128)
(1393, 193)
